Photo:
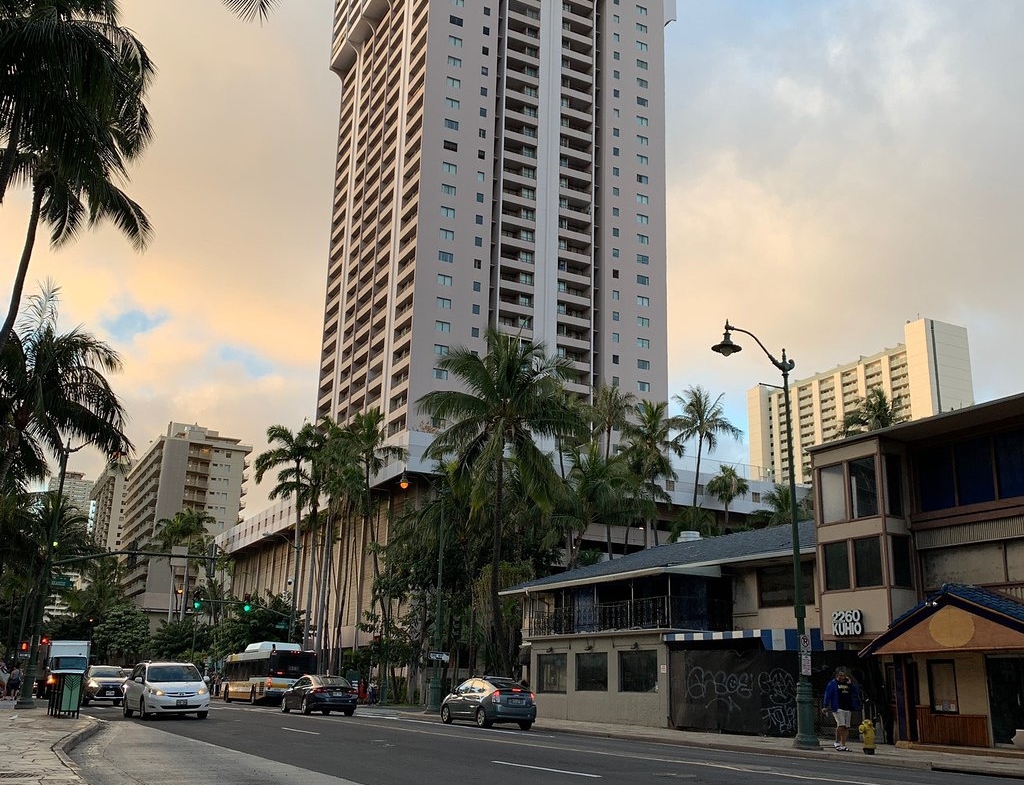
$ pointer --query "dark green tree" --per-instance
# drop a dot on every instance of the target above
(872, 412)
(122, 636)
(650, 446)
(727, 486)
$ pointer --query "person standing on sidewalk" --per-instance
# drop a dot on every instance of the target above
(842, 698)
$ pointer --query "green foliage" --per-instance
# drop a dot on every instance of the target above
(872, 412)
(726, 486)
(238, 628)
(588, 556)
(122, 636)
(779, 510)
(174, 639)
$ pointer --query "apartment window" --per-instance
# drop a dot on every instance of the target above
(454, 62)
(480, 220)
(455, 20)
(642, 199)
(454, 40)
(615, 231)
(453, 81)
(641, 64)
(615, 294)
(444, 303)
(449, 168)
(642, 258)
(837, 566)
(615, 151)
(775, 585)
(643, 343)
(452, 103)
(474, 332)
(641, 27)
(641, 10)
(643, 160)
(643, 321)
(450, 145)
(551, 673)
(447, 234)
(867, 562)
(445, 256)
(476, 264)
(442, 327)
(642, 140)
(893, 485)
(643, 301)
(486, 31)
(450, 124)
(902, 571)
(643, 386)
(615, 337)
(480, 198)
(615, 273)
(444, 280)
(942, 686)
(480, 178)
(863, 487)
(476, 310)
(833, 497)
(447, 212)
(642, 219)
(615, 190)
(440, 373)
(448, 190)
(643, 179)
(592, 672)
(643, 280)
(476, 286)
(641, 46)
(441, 350)
(641, 101)
(643, 239)
(615, 56)
(615, 74)
(615, 316)
(638, 671)
(615, 253)
(478, 242)
(615, 381)
(643, 365)
(615, 210)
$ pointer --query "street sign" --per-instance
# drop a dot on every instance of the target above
(805, 664)
(61, 581)
(282, 625)
(805, 644)
(437, 656)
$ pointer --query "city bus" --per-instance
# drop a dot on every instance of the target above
(264, 671)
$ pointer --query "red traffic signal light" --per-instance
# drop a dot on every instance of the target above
(23, 647)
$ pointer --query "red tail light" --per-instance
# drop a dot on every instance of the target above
(318, 690)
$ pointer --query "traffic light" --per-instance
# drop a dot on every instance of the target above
(197, 599)
(23, 647)
(44, 641)
(246, 602)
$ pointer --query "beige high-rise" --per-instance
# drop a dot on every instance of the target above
(499, 163)
(930, 372)
(189, 467)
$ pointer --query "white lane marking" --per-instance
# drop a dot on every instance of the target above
(543, 768)
(296, 730)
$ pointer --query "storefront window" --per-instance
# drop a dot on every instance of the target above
(942, 686)
(551, 673)
(592, 672)
(638, 671)
(775, 585)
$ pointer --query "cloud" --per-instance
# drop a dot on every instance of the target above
(127, 324)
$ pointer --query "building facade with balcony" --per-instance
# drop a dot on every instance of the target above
(929, 372)
(920, 532)
(188, 467)
(698, 634)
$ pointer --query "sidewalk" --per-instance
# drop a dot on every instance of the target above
(36, 746)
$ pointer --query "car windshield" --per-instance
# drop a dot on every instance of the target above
(505, 684)
(106, 673)
(164, 673)
(334, 681)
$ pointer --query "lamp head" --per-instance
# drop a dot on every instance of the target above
(403, 483)
(726, 347)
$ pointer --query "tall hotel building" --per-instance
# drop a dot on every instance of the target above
(930, 372)
(500, 163)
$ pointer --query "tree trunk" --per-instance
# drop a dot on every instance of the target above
(26, 256)
(500, 641)
(696, 481)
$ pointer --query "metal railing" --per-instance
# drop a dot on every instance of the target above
(649, 613)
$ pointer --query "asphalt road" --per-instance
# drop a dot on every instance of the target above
(253, 745)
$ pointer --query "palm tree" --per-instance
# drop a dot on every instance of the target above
(649, 448)
(703, 418)
(73, 115)
(52, 387)
(872, 412)
(600, 489)
(511, 397)
(726, 486)
(191, 528)
(611, 411)
(779, 512)
(251, 9)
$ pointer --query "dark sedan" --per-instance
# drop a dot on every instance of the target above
(103, 683)
(489, 700)
(321, 693)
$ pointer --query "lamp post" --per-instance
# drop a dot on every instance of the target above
(805, 737)
(295, 576)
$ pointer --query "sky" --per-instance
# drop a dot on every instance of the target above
(835, 169)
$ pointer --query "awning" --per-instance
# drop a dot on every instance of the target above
(771, 639)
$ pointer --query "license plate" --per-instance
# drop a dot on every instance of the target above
(181, 702)
(109, 692)
(516, 702)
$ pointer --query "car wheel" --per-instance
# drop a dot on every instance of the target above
(126, 711)
(446, 715)
(284, 706)
(481, 719)
(85, 701)
(227, 695)
(202, 714)
(252, 697)
(306, 708)
(349, 712)
(118, 702)
(325, 712)
(525, 725)
(142, 710)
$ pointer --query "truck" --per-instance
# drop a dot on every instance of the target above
(60, 657)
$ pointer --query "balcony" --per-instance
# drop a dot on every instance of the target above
(650, 613)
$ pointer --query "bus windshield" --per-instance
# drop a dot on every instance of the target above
(292, 664)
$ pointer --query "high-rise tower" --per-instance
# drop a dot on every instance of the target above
(500, 163)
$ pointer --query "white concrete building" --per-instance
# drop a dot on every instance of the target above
(107, 498)
(929, 372)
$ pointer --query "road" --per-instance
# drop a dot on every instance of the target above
(253, 745)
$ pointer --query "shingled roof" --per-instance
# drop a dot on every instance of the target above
(725, 549)
(995, 606)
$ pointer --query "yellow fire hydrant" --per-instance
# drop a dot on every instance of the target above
(867, 736)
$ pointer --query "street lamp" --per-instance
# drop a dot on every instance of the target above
(805, 737)
(434, 688)
(295, 575)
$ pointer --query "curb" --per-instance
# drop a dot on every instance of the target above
(62, 747)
